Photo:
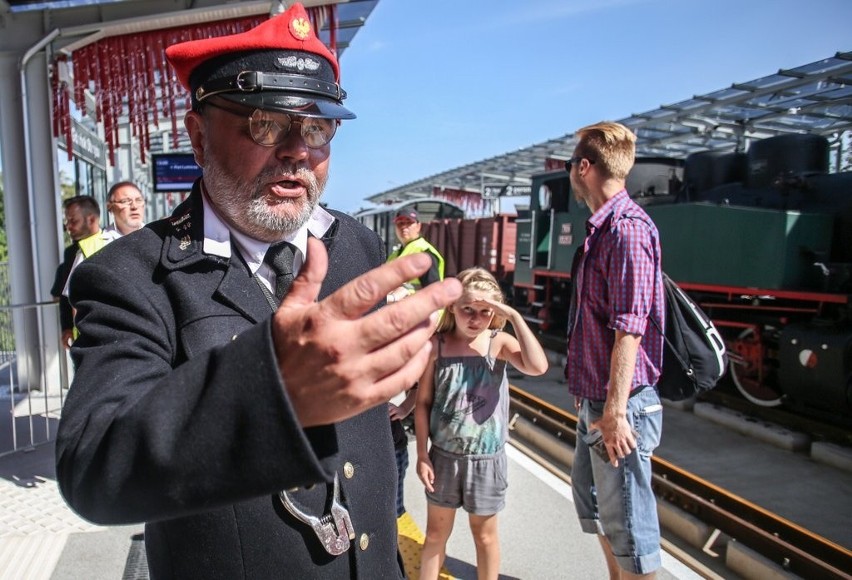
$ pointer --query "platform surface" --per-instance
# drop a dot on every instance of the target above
(42, 539)
(540, 536)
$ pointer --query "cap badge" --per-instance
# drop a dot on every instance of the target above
(301, 64)
(300, 28)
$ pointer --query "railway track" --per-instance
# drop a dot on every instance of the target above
(726, 395)
(550, 433)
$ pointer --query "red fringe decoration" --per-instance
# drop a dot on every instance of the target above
(61, 106)
(124, 74)
(468, 200)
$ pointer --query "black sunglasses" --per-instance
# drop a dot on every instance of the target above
(574, 160)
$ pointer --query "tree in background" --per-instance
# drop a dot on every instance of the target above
(4, 247)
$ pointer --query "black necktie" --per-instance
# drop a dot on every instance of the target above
(279, 257)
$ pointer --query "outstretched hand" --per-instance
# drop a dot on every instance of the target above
(335, 361)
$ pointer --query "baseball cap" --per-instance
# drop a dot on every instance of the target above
(406, 214)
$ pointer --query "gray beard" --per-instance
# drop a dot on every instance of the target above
(259, 214)
(256, 219)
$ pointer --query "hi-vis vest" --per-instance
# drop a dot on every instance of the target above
(89, 246)
(92, 244)
(413, 247)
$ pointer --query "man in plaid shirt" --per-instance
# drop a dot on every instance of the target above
(615, 355)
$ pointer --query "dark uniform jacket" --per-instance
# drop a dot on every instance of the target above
(178, 416)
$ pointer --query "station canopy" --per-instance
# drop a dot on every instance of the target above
(815, 98)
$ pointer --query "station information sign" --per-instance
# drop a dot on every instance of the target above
(174, 172)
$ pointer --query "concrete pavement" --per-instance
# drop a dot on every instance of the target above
(42, 539)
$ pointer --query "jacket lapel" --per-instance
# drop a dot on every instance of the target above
(183, 250)
(241, 291)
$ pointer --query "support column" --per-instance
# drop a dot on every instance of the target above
(33, 226)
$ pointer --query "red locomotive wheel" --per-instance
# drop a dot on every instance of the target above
(750, 371)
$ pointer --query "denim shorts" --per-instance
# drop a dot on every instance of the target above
(476, 483)
(618, 502)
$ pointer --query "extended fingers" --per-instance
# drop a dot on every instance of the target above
(395, 321)
(365, 291)
(398, 365)
(382, 377)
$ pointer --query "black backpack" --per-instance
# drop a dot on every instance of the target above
(694, 358)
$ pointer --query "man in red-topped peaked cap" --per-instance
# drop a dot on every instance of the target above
(231, 373)
(279, 65)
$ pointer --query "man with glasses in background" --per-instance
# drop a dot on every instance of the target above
(127, 205)
(249, 433)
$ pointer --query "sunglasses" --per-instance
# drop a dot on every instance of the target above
(270, 128)
(574, 160)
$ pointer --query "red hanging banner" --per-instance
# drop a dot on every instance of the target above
(128, 75)
(468, 200)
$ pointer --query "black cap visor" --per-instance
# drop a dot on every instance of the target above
(299, 105)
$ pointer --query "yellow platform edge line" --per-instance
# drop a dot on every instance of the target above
(410, 545)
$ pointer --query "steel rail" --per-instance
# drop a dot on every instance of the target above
(789, 545)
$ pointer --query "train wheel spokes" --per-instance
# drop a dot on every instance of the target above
(750, 371)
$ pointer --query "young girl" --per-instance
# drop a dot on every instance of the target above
(463, 406)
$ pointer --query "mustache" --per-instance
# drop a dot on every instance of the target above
(288, 170)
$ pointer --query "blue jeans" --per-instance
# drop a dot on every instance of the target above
(618, 502)
(401, 466)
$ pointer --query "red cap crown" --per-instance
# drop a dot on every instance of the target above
(290, 30)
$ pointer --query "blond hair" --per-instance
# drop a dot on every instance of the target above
(611, 146)
(475, 280)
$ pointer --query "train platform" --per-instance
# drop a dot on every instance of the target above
(41, 539)
(540, 537)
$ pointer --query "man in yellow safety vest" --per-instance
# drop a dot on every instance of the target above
(83, 222)
(408, 227)
(407, 222)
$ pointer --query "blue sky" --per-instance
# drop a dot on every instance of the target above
(445, 83)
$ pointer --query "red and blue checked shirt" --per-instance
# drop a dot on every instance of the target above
(618, 285)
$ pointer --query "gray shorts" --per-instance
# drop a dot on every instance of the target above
(476, 483)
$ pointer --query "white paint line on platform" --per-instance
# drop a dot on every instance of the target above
(672, 565)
